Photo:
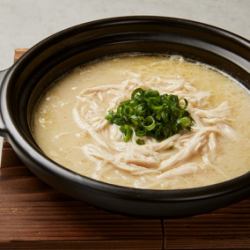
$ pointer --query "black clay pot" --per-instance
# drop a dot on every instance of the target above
(23, 83)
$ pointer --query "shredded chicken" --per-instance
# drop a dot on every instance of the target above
(184, 169)
(169, 158)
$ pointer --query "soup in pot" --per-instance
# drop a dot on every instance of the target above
(146, 121)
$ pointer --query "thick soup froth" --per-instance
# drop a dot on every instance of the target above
(70, 127)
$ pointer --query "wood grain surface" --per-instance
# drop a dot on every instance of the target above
(32, 212)
(35, 216)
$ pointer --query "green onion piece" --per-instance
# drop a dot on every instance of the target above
(183, 103)
(185, 122)
(137, 94)
(151, 93)
(140, 141)
(127, 131)
(149, 123)
(140, 132)
(135, 120)
(118, 120)
(140, 109)
(154, 103)
(110, 116)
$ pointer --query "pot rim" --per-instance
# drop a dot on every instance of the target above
(154, 195)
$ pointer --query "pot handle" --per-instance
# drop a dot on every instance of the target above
(2, 127)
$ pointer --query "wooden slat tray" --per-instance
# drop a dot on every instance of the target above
(35, 216)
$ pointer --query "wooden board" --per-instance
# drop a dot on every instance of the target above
(35, 216)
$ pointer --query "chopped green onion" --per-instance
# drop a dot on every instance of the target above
(137, 94)
(140, 132)
(185, 122)
(140, 141)
(149, 114)
(183, 103)
(149, 123)
(151, 93)
(127, 132)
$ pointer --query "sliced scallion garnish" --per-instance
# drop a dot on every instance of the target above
(150, 114)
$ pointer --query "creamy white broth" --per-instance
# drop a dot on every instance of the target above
(59, 136)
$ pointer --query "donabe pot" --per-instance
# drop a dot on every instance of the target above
(24, 82)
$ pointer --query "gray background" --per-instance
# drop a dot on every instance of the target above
(24, 22)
